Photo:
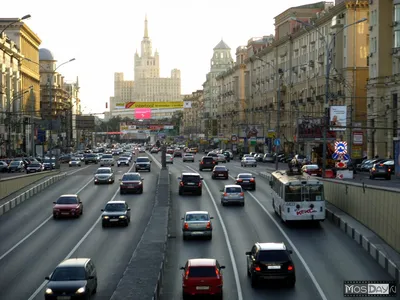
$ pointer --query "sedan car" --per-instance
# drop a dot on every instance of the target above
(34, 167)
(197, 224)
(75, 162)
(188, 157)
(143, 163)
(312, 170)
(169, 159)
(248, 162)
(107, 160)
(232, 193)
(104, 175)
(123, 161)
(246, 181)
(380, 170)
(221, 172)
(69, 205)
(116, 213)
(221, 158)
(16, 166)
(131, 182)
(202, 276)
(73, 278)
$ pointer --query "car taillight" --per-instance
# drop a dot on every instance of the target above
(186, 226)
(200, 183)
(239, 180)
(208, 225)
(187, 274)
(388, 170)
(201, 162)
(225, 194)
(181, 183)
(241, 194)
(252, 180)
(373, 169)
(290, 268)
(217, 272)
(257, 268)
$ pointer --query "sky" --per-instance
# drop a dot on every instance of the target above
(103, 36)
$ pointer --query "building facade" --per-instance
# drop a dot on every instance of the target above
(147, 85)
(383, 86)
(192, 116)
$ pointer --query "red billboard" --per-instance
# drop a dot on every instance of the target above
(143, 113)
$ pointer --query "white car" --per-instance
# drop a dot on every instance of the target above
(169, 159)
(107, 160)
(248, 161)
(123, 161)
(75, 162)
(188, 157)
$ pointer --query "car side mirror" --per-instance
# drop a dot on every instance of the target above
(47, 278)
(120, 179)
(290, 251)
(102, 209)
(182, 268)
(222, 267)
(80, 202)
(182, 219)
(180, 178)
(128, 209)
(201, 178)
(54, 202)
(91, 277)
(248, 253)
(211, 218)
(142, 178)
(221, 191)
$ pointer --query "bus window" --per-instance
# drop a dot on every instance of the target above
(292, 193)
(312, 193)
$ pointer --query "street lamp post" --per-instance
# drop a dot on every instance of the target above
(16, 21)
(328, 50)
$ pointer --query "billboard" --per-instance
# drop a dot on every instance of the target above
(249, 131)
(142, 113)
(85, 122)
(187, 104)
(159, 104)
(311, 128)
(338, 117)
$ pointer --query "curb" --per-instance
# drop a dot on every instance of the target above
(9, 205)
(390, 267)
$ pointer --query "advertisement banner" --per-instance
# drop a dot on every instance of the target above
(160, 104)
(338, 117)
(142, 113)
(120, 105)
(249, 131)
(311, 128)
(358, 138)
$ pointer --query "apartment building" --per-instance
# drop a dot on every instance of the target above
(192, 115)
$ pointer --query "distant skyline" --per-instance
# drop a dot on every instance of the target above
(103, 38)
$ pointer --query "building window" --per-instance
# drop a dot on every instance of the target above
(397, 13)
(397, 39)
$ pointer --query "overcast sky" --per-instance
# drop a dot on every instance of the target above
(104, 35)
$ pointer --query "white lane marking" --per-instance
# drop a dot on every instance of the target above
(155, 160)
(76, 171)
(228, 243)
(37, 228)
(313, 279)
(247, 171)
(77, 245)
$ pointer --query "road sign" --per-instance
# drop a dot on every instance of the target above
(340, 176)
(335, 156)
(234, 138)
(341, 148)
(346, 157)
(277, 142)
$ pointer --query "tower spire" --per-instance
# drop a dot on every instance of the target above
(146, 31)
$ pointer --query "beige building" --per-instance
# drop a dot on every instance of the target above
(383, 85)
(192, 115)
(147, 85)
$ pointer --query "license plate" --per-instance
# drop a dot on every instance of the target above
(65, 213)
(274, 267)
(295, 170)
(246, 181)
(197, 233)
(221, 175)
(113, 220)
(190, 183)
(63, 298)
(131, 185)
(202, 288)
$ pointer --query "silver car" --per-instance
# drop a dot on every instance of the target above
(107, 160)
(197, 224)
(232, 193)
(188, 157)
(104, 175)
(248, 162)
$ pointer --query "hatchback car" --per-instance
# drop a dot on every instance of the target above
(104, 175)
(131, 182)
(188, 157)
(34, 167)
(75, 162)
(74, 278)
(202, 276)
(312, 170)
(69, 205)
(221, 172)
(123, 161)
(246, 181)
(380, 170)
(197, 224)
(16, 166)
(169, 159)
(207, 162)
(248, 162)
(190, 182)
(270, 261)
(232, 193)
(116, 213)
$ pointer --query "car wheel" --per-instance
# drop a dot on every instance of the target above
(291, 283)
(242, 204)
(136, 170)
(210, 238)
(94, 290)
(199, 193)
(184, 237)
(248, 271)
(180, 192)
(254, 188)
(103, 224)
(150, 170)
(222, 203)
(81, 212)
(254, 281)
(141, 191)
(185, 296)
(54, 217)
(126, 223)
(121, 192)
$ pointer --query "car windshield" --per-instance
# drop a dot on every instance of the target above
(34, 165)
(219, 169)
(15, 163)
(197, 217)
(191, 178)
(67, 200)
(107, 156)
(129, 177)
(142, 159)
(115, 207)
(273, 256)
(312, 167)
(202, 272)
(103, 171)
(249, 158)
(189, 155)
(48, 160)
(245, 176)
(123, 158)
(68, 274)
(233, 190)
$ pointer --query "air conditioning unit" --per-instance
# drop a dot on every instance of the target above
(370, 28)
(311, 63)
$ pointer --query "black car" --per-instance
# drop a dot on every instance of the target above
(190, 182)
(16, 166)
(49, 164)
(207, 162)
(3, 166)
(116, 213)
(380, 170)
(246, 181)
(74, 278)
(143, 163)
(131, 182)
(270, 261)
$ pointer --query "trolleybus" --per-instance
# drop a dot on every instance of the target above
(296, 197)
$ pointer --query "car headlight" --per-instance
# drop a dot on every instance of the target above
(106, 217)
(81, 290)
(122, 217)
(49, 291)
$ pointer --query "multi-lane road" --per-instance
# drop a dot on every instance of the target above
(323, 255)
(32, 243)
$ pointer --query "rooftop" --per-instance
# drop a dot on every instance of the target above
(272, 246)
(202, 262)
(74, 262)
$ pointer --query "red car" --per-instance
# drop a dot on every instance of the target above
(68, 206)
(131, 182)
(312, 170)
(220, 172)
(202, 276)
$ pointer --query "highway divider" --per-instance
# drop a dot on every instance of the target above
(31, 192)
(374, 207)
(143, 276)
(11, 185)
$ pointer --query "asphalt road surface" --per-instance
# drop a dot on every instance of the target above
(63, 168)
(324, 257)
(33, 244)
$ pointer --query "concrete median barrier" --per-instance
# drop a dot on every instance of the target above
(31, 192)
(140, 279)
